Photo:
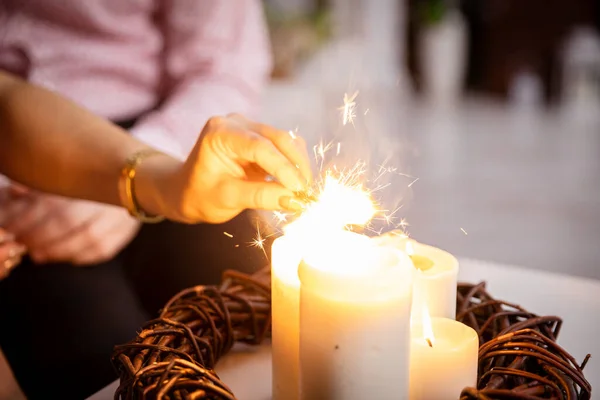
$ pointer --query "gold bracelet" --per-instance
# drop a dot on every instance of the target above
(127, 187)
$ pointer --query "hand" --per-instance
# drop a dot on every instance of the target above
(232, 167)
(10, 253)
(57, 229)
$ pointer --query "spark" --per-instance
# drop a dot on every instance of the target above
(383, 169)
(259, 240)
(389, 218)
(292, 135)
(463, 231)
(228, 234)
(319, 152)
(281, 217)
(413, 182)
(381, 187)
(404, 223)
(339, 147)
(349, 108)
(366, 111)
(414, 178)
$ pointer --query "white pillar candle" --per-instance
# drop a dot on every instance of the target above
(443, 359)
(285, 297)
(355, 301)
(436, 274)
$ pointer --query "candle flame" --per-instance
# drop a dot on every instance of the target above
(427, 326)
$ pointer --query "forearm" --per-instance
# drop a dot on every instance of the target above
(50, 144)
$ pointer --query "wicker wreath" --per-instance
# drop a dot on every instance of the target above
(518, 354)
(174, 356)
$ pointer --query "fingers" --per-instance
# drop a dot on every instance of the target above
(10, 254)
(25, 214)
(290, 145)
(110, 240)
(97, 239)
(259, 195)
(60, 219)
(61, 248)
(11, 209)
(253, 148)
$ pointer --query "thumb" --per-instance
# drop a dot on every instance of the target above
(269, 196)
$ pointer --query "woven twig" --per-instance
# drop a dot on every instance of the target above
(174, 356)
(518, 354)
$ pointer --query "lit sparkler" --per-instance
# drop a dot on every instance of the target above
(339, 199)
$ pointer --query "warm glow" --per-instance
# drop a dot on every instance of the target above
(322, 232)
(338, 204)
(343, 253)
(427, 327)
(410, 250)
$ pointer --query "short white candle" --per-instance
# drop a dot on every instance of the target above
(355, 301)
(285, 298)
(436, 274)
(443, 359)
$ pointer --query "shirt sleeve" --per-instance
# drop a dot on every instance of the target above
(217, 59)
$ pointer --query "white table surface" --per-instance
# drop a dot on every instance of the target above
(247, 370)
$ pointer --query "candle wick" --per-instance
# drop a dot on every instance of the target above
(429, 342)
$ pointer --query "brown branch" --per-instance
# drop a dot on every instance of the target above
(174, 355)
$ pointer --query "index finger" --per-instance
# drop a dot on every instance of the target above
(289, 144)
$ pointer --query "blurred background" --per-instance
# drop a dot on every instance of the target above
(486, 112)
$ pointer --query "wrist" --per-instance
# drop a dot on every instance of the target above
(157, 186)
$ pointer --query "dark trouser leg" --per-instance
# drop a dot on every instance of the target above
(168, 257)
(59, 323)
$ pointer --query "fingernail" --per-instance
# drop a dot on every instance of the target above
(291, 203)
(6, 237)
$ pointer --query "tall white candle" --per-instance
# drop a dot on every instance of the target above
(436, 274)
(443, 359)
(355, 301)
(285, 297)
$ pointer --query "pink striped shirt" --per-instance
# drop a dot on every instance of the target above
(178, 62)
